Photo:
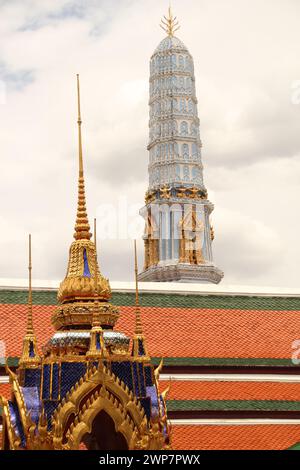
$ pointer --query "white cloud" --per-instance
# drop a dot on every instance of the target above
(255, 247)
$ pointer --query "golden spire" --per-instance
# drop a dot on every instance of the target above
(169, 24)
(82, 227)
(29, 355)
(95, 262)
(139, 349)
(29, 330)
(83, 283)
(138, 322)
(95, 243)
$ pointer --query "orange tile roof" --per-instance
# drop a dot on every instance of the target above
(192, 390)
(5, 390)
(219, 333)
(238, 437)
(250, 437)
(177, 332)
(13, 325)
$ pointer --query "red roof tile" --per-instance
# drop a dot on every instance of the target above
(13, 326)
(192, 390)
(238, 437)
(262, 437)
(5, 390)
(218, 333)
(178, 332)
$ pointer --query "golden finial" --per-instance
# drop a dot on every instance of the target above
(95, 243)
(139, 349)
(82, 227)
(95, 259)
(138, 322)
(29, 330)
(170, 24)
(95, 234)
(29, 356)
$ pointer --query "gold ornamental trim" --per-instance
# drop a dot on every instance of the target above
(81, 313)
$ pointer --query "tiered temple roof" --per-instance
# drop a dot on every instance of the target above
(226, 356)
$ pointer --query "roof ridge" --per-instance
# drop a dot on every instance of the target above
(166, 288)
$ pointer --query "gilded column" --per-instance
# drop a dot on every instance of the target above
(147, 257)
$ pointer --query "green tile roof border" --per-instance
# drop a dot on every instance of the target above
(295, 446)
(233, 405)
(200, 361)
(224, 361)
(205, 301)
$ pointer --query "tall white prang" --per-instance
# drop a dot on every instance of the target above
(178, 235)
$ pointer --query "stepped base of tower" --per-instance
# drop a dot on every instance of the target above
(182, 272)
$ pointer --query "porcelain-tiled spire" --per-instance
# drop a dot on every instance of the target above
(178, 232)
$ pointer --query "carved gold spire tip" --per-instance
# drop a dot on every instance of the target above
(82, 227)
(170, 24)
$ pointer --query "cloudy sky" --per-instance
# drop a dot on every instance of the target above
(247, 68)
